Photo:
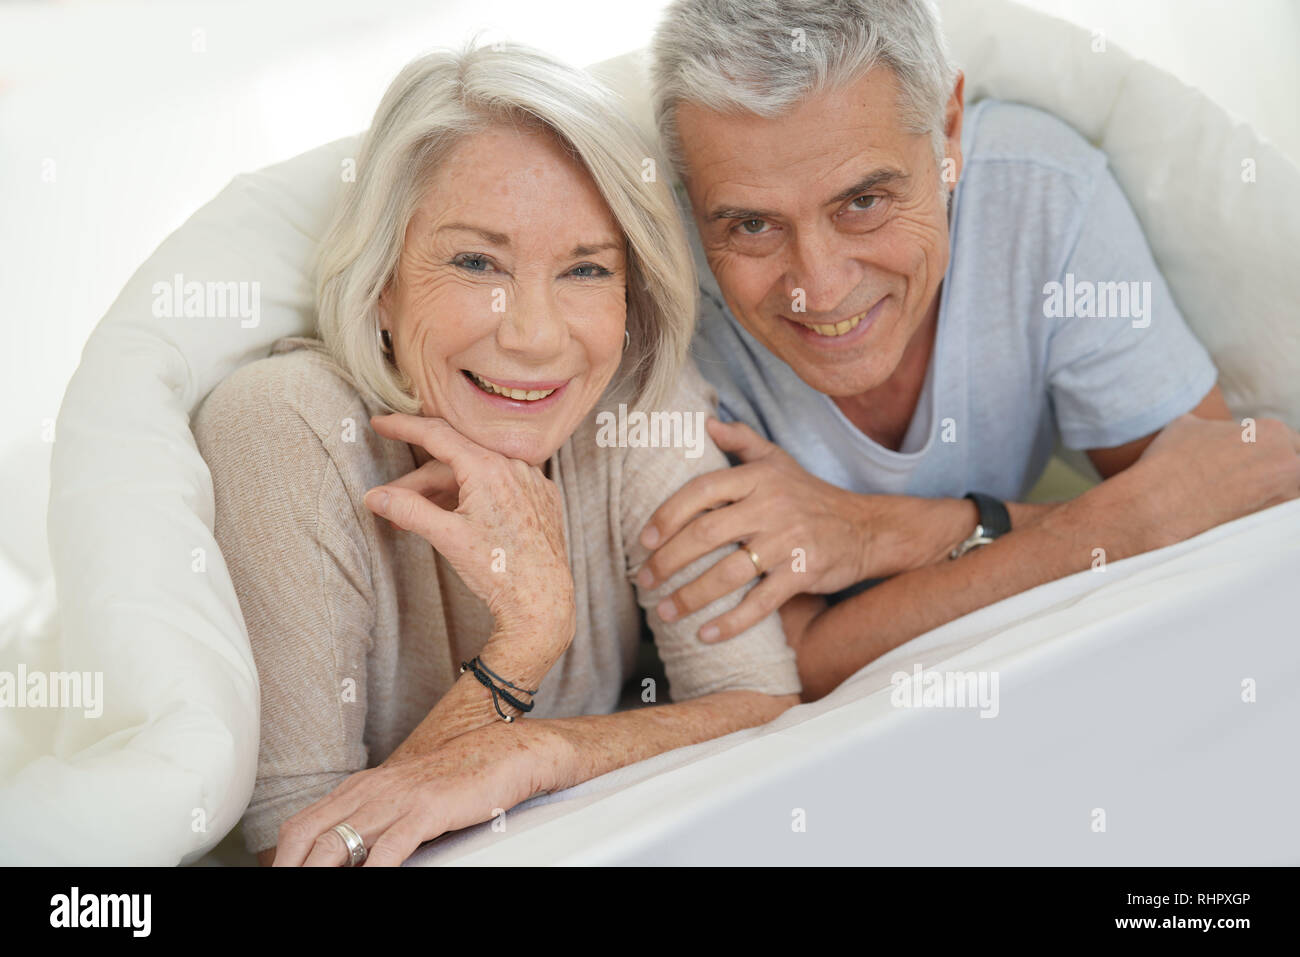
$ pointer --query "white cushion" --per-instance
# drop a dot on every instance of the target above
(144, 595)
(131, 499)
(1218, 204)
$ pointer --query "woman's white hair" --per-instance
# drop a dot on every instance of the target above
(764, 56)
(436, 101)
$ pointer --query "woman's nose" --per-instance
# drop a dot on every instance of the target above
(532, 323)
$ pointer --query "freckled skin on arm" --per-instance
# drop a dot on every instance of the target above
(602, 743)
(568, 751)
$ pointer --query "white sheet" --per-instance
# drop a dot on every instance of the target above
(131, 499)
(1119, 690)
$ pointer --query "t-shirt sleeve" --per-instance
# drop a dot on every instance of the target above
(755, 660)
(710, 353)
(1125, 364)
(722, 356)
(299, 563)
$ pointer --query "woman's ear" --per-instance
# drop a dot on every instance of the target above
(382, 308)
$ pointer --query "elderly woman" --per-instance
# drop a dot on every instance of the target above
(499, 274)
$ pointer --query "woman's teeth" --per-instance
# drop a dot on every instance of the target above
(836, 328)
(522, 395)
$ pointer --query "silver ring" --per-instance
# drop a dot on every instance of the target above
(356, 846)
(758, 567)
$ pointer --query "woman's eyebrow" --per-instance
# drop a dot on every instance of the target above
(590, 249)
(501, 239)
(488, 236)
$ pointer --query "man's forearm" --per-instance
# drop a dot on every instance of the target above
(573, 750)
(1046, 543)
(935, 526)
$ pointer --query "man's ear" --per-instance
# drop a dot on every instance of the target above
(952, 118)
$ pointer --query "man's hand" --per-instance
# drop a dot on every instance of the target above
(809, 536)
(1198, 473)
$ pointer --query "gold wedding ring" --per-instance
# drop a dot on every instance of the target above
(758, 566)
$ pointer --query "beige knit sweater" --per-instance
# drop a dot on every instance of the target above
(358, 629)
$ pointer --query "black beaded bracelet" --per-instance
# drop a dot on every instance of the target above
(481, 672)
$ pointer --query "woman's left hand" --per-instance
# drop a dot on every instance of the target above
(404, 802)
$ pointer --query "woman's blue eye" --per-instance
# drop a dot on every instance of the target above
(590, 271)
(472, 262)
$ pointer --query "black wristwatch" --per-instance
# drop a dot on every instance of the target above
(994, 521)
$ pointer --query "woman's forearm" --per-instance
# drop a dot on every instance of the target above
(569, 751)
(403, 803)
(521, 659)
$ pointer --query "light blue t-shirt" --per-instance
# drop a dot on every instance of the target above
(1035, 205)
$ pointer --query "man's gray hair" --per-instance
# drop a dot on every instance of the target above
(764, 56)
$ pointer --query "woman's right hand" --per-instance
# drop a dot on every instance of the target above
(505, 537)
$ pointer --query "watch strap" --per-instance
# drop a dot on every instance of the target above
(994, 522)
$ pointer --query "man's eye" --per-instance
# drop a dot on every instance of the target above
(473, 262)
(863, 203)
(753, 227)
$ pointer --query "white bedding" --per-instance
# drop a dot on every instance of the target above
(1119, 690)
(143, 595)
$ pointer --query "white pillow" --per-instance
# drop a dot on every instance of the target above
(144, 596)
(131, 499)
(1220, 206)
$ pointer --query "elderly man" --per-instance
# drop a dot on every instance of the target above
(905, 306)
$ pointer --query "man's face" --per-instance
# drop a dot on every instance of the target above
(826, 227)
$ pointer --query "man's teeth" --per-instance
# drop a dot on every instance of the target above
(524, 395)
(836, 328)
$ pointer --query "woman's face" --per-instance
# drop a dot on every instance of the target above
(509, 303)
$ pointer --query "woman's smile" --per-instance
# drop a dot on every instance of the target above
(515, 395)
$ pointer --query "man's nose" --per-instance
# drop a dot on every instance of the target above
(820, 272)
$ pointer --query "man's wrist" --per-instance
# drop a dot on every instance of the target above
(1025, 514)
(902, 533)
(941, 525)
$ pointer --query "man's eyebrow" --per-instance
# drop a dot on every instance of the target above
(873, 180)
(737, 212)
(488, 236)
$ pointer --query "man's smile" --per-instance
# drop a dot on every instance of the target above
(840, 332)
